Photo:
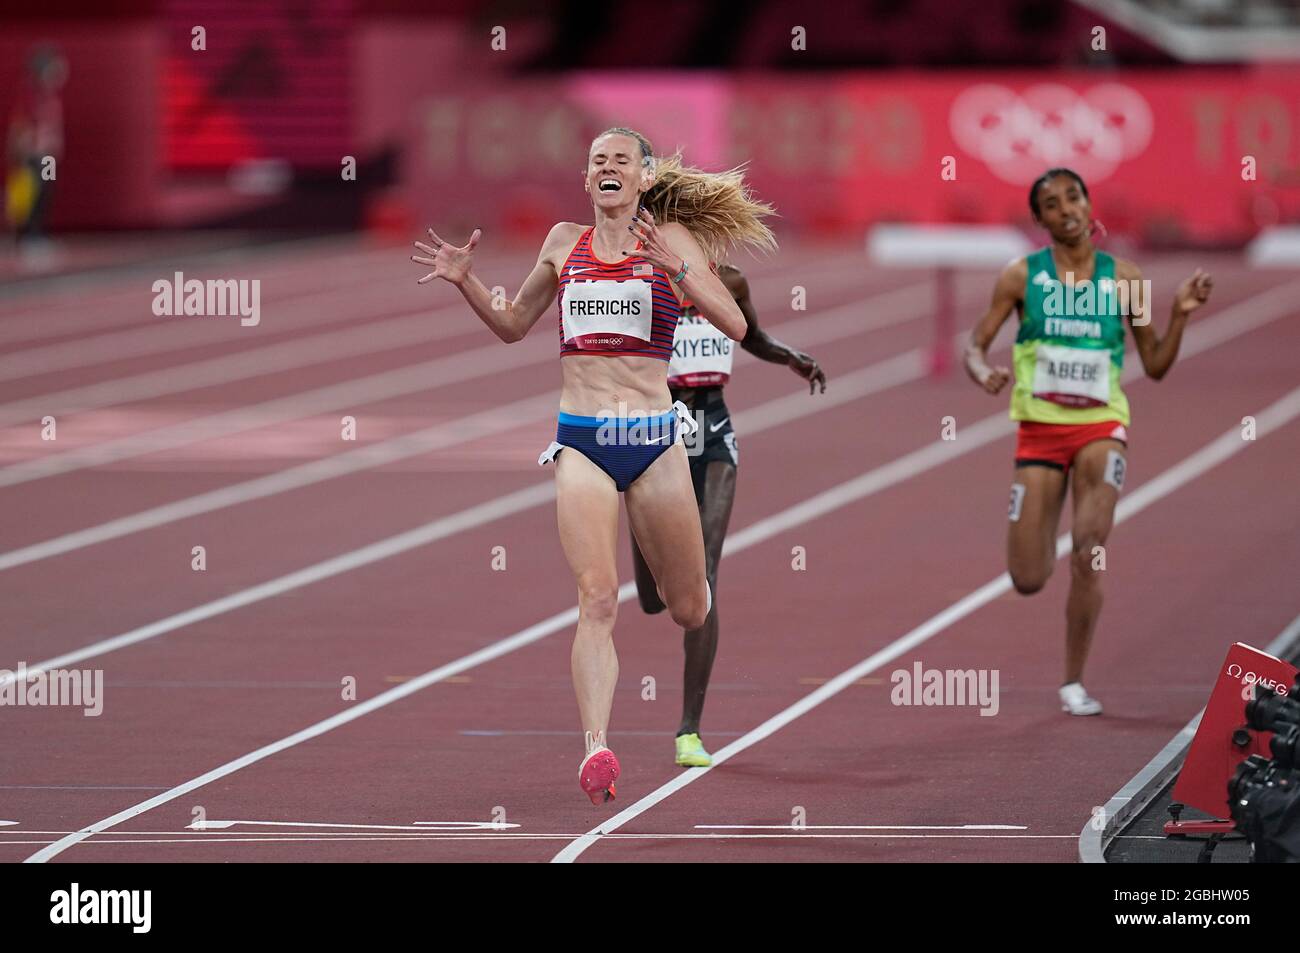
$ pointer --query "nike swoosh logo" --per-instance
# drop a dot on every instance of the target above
(659, 439)
(578, 271)
(714, 428)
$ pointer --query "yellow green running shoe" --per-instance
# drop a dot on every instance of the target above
(691, 753)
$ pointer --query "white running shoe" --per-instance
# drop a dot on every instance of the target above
(1076, 700)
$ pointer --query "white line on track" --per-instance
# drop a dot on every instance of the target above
(93, 315)
(1226, 327)
(489, 359)
(122, 837)
(311, 311)
(414, 328)
(422, 326)
(850, 387)
(1268, 420)
(1225, 446)
(425, 826)
(864, 827)
(906, 367)
(807, 332)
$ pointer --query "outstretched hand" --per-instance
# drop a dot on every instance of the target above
(451, 262)
(654, 248)
(1193, 292)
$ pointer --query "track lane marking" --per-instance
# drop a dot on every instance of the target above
(1227, 445)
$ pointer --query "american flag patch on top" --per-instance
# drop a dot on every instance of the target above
(642, 271)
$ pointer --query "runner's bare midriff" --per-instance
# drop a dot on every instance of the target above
(618, 386)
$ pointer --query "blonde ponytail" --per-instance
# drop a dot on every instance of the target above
(717, 208)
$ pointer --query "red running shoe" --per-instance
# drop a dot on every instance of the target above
(599, 770)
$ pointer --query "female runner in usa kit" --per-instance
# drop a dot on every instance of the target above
(700, 367)
(1072, 300)
(619, 284)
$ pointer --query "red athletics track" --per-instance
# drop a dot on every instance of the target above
(1202, 566)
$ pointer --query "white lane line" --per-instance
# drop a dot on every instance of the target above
(422, 326)
(806, 332)
(902, 369)
(383, 549)
(119, 837)
(864, 827)
(983, 432)
(177, 336)
(1267, 421)
(411, 379)
(310, 311)
(864, 382)
(414, 328)
(1227, 445)
(466, 365)
(137, 298)
(850, 387)
(424, 826)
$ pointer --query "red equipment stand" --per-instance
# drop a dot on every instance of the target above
(1223, 741)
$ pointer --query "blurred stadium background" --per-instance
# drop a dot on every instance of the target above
(1157, 104)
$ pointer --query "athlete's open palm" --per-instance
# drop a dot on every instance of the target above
(451, 262)
(1194, 291)
(654, 248)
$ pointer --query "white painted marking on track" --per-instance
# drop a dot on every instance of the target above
(306, 350)
(902, 369)
(462, 366)
(892, 372)
(922, 460)
(385, 548)
(863, 827)
(39, 311)
(170, 837)
(420, 826)
(7, 823)
(385, 385)
(414, 327)
(1230, 443)
(311, 311)
(868, 380)
(1225, 446)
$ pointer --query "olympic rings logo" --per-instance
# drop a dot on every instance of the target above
(1250, 678)
(1019, 135)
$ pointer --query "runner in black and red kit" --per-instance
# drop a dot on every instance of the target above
(698, 370)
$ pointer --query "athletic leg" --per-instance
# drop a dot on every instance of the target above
(1098, 473)
(587, 511)
(701, 644)
(646, 591)
(1037, 495)
(666, 525)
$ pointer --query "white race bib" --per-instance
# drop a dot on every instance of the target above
(607, 315)
(1072, 376)
(701, 354)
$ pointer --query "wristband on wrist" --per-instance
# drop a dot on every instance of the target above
(677, 279)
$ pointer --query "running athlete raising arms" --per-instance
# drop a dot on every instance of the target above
(1073, 414)
(618, 311)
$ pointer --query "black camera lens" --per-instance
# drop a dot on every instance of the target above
(1268, 711)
